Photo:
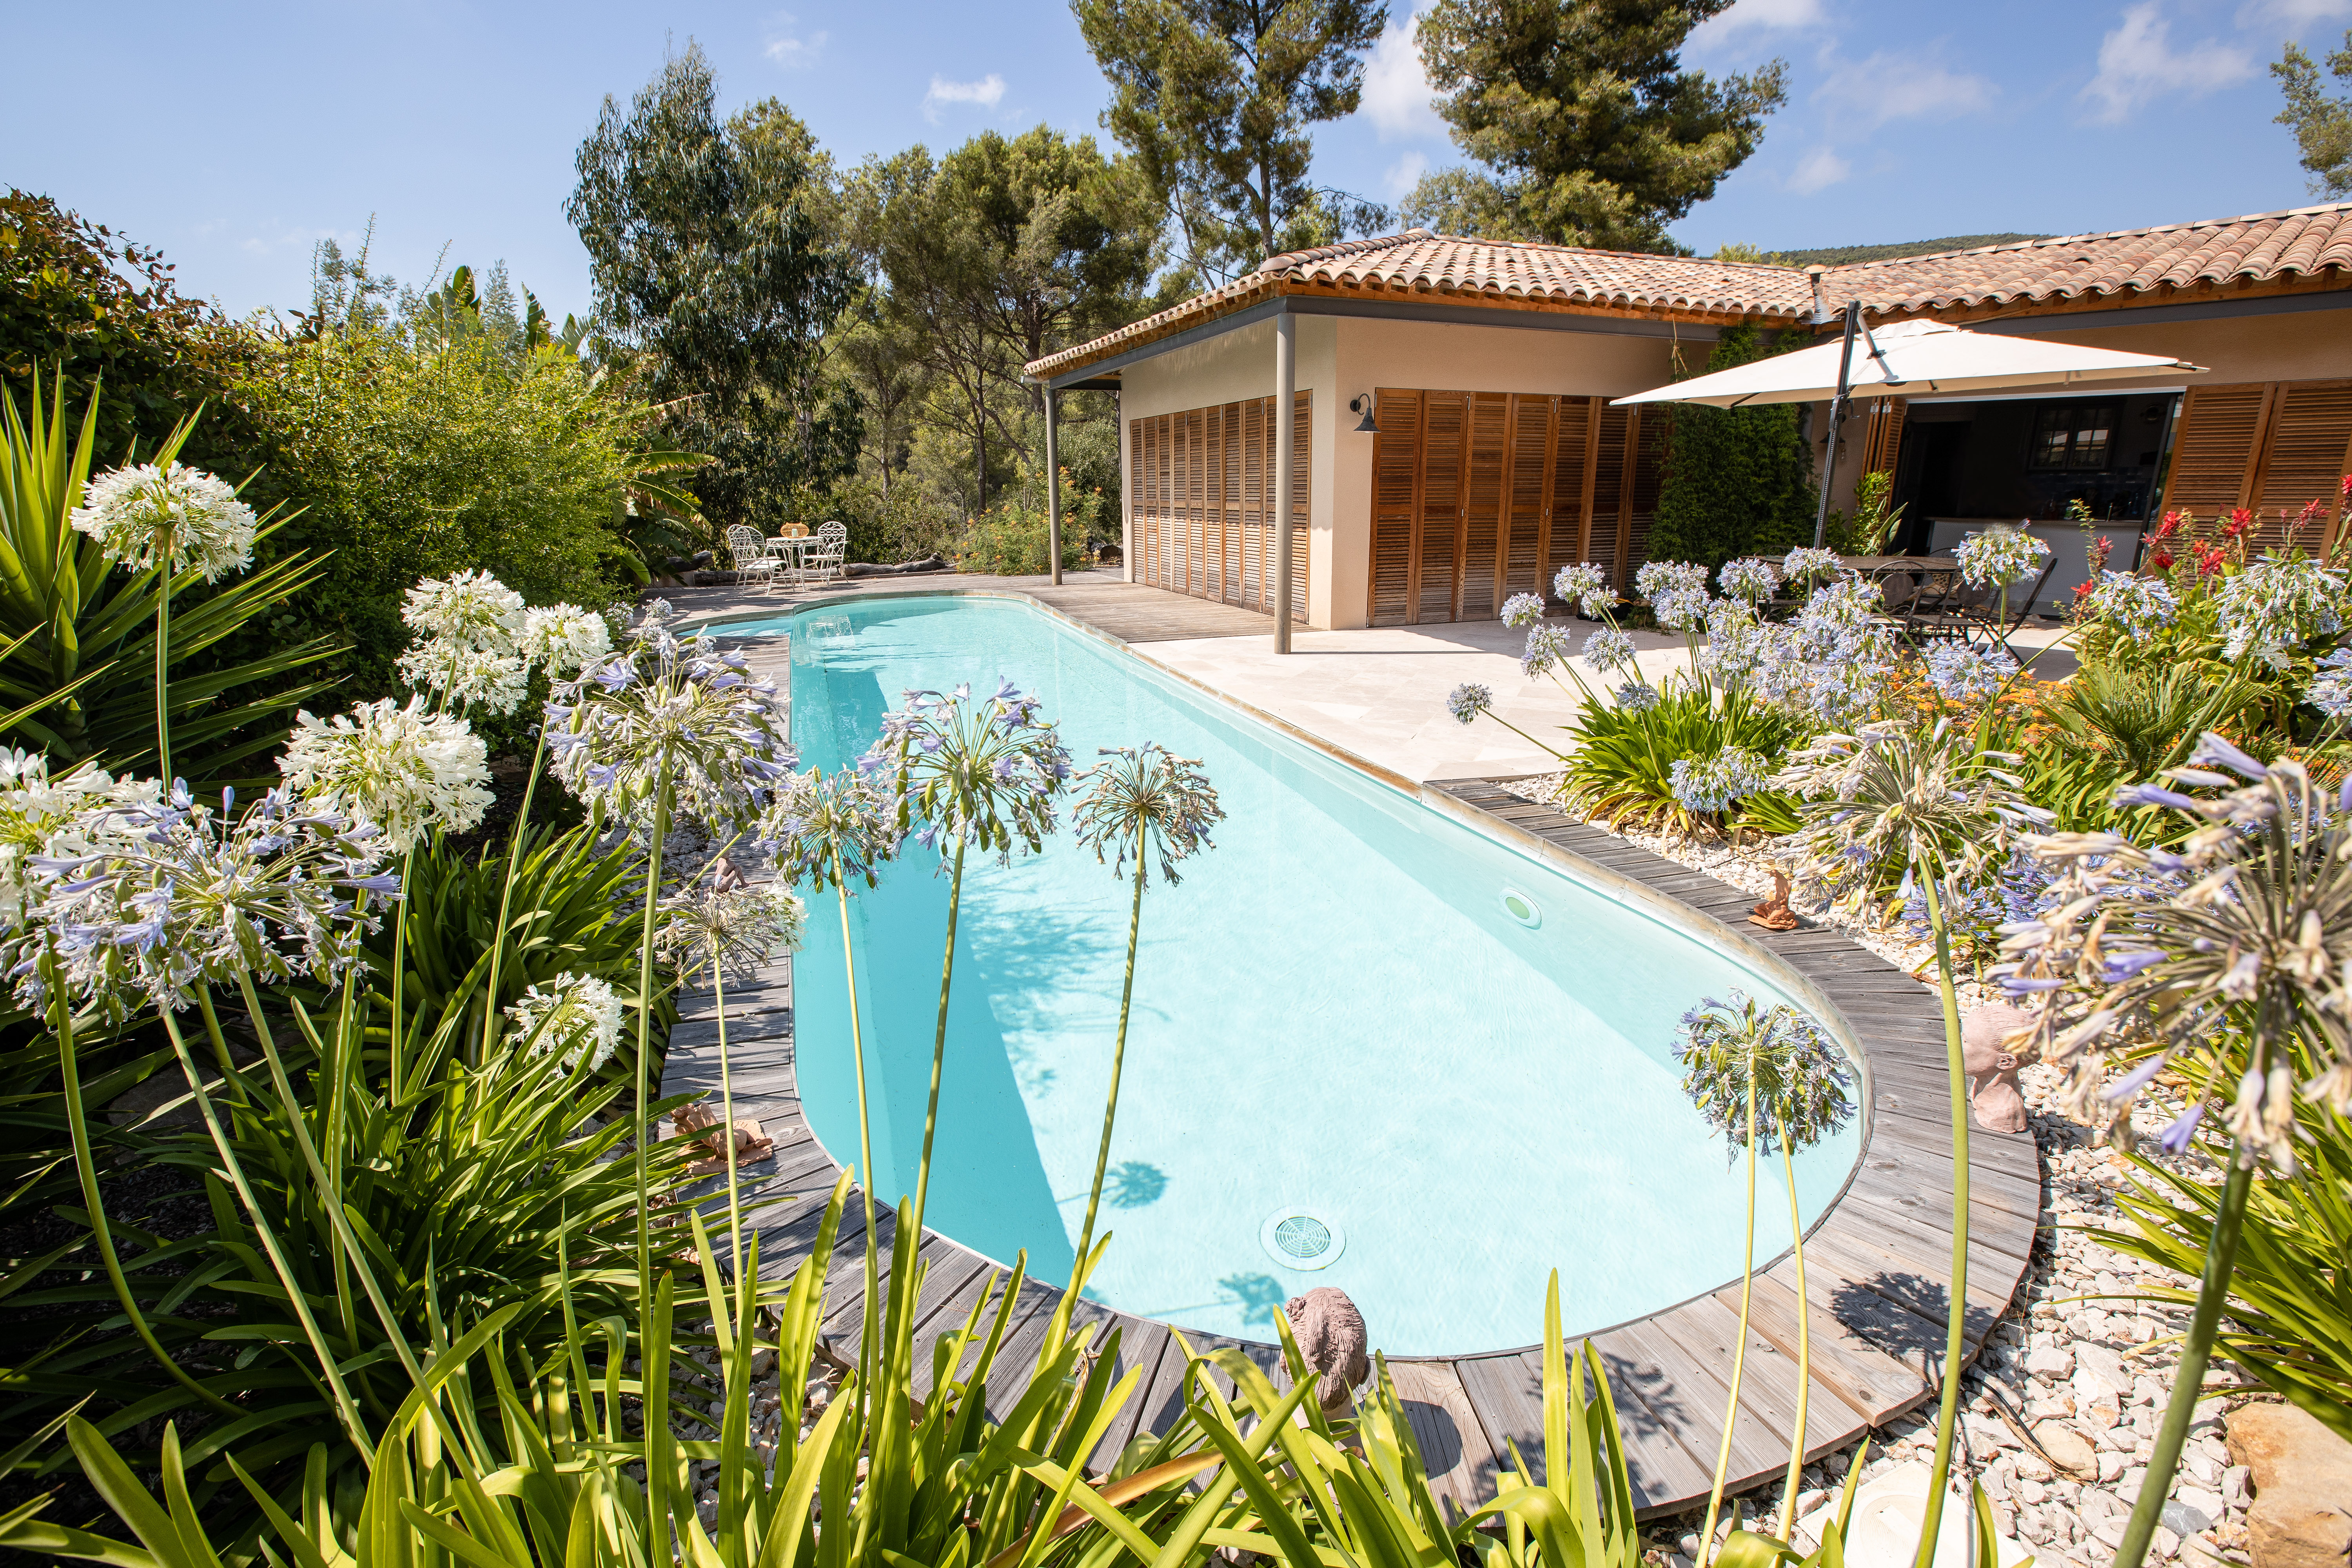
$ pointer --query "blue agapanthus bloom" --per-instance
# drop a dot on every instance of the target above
(1547, 647)
(1522, 610)
(1750, 578)
(1608, 649)
(1469, 699)
(1962, 673)
(2331, 685)
(1710, 785)
(1637, 696)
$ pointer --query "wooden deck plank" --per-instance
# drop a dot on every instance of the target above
(1454, 1453)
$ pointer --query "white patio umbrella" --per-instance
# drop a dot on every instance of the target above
(1921, 358)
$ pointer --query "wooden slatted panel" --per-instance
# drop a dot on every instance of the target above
(1572, 487)
(1396, 505)
(1608, 491)
(1302, 443)
(1196, 505)
(1882, 444)
(1527, 495)
(2309, 451)
(1489, 415)
(1203, 503)
(1257, 470)
(2214, 448)
(1444, 423)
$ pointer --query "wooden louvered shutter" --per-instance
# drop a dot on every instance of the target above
(1608, 488)
(1482, 505)
(2304, 460)
(1302, 474)
(1882, 444)
(1443, 429)
(1396, 505)
(1526, 496)
(2215, 448)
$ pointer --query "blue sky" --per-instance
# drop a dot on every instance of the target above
(235, 139)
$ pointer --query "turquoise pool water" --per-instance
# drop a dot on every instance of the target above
(1336, 1017)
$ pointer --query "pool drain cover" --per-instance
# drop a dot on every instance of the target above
(1298, 1239)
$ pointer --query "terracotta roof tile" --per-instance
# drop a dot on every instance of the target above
(2265, 247)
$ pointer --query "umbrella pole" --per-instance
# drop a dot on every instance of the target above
(1837, 417)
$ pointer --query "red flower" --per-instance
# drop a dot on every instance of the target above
(2083, 588)
(2161, 561)
(2174, 521)
(2347, 487)
(2210, 558)
(2240, 521)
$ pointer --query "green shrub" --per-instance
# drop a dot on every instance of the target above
(1621, 771)
(1739, 482)
(1010, 539)
(412, 463)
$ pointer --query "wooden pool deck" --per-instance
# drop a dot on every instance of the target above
(1878, 1263)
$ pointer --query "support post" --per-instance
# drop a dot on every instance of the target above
(1286, 379)
(1053, 488)
(1837, 419)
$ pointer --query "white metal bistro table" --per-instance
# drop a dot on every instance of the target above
(795, 553)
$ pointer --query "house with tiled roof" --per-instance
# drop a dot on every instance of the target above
(1453, 440)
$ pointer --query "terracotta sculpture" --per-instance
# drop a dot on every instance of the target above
(1331, 1335)
(1992, 1066)
(1774, 913)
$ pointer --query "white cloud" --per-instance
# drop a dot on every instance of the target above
(2293, 13)
(1405, 173)
(1889, 86)
(791, 51)
(1818, 171)
(1758, 14)
(2137, 61)
(987, 92)
(1396, 89)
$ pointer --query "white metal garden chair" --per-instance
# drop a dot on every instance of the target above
(832, 548)
(752, 562)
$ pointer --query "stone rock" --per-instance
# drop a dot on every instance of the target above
(2050, 1363)
(2067, 1446)
(1992, 1066)
(2188, 1514)
(2236, 1486)
(2301, 1475)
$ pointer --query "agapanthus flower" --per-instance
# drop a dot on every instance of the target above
(678, 710)
(2330, 691)
(1738, 644)
(2135, 605)
(1656, 579)
(563, 639)
(1547, 648)
(1961, 672)
(1608, 649)
(722, 922)
(1146, 802)
(1469, 699)
(158, 897)
(1832, 658)
(1807, 565)
(1750, 578)
(42, 816)
(826, 829)
(2276, 605)
(408, 772)
(1903, 793)
(2218, 945)
(1637, 696)
(1523, 610)
(1682, 609)
(177, 516)
(467, 652)
(1710, 785)
(2000, 556)
(578, 1015)
(982, 772)
(464, 677)
(1583, 587)
(1797, 1072)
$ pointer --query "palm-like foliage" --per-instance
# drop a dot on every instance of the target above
(77, 634)
(2146, 720)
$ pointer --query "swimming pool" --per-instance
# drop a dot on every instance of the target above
(1371, 1047)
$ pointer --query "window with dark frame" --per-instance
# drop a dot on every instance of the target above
(2073, 436)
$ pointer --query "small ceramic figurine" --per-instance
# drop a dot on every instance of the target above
(1331, 1335)
(751, 1143)
(1992, 1066)
(1774, 913)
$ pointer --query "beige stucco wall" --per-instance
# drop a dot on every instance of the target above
(1341, 357)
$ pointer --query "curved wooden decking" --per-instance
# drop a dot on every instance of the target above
(1878, 1263)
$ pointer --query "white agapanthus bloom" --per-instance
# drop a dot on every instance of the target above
(407, 772)
(1750, 578)
(471, 608)
(177, 516)
(1808, 565)
(466, 677)
(2277, 605)
(2135, 605)
(2000, 556)
(44, 816)
(576, 1014)
(563, 639)
(734, 929)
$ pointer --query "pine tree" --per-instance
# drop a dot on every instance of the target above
(2322, 125)
(1591, 130)
(1739, 482)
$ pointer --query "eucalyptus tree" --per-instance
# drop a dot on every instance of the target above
(1215, 97)
(709, 249)
(1591, 129)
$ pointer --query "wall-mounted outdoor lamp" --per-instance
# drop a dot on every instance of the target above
(1363, 404)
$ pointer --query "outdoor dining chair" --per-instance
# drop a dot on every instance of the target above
(752, 562)
(832, 548)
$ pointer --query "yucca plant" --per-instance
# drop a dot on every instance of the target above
(79, 641)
